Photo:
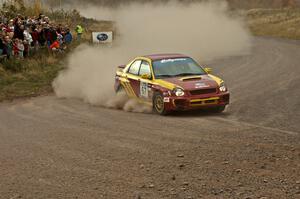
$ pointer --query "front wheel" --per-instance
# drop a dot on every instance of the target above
(159, 105)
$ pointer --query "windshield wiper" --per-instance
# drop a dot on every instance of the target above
(186, 74)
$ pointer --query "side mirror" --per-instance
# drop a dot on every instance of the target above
(145, 76)
(208, 70)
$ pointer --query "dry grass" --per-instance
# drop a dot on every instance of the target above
(275, 22)
(30, 77)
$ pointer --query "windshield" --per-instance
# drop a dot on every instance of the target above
(176, 67)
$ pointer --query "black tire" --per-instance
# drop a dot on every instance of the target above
(219, 109)
(158, 104)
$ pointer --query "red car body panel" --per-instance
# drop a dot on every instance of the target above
(189, 84)
(200, 91)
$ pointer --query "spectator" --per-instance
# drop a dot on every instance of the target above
(79, 31)
(27, 35)
(26, 48)
(16, 46)
(1, 46)
(68, 37)
(8, 47)
(59, 29)
(19, 31)
(60, 39)
(42, 36)
(11, 25)
(35, 39)
(55, 46)
(30, 32)
(53, 33)
(40, 17)
(4, 18)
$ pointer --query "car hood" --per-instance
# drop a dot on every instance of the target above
(193, 82)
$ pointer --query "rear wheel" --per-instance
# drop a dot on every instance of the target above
(159, 105)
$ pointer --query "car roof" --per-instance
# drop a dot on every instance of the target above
(156, 57)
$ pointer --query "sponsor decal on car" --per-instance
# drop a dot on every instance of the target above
(201, 85)
(172, 60)
(166, 99)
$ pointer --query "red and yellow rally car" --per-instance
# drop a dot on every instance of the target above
(170, 82)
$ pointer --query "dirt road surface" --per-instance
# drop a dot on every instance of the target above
(64, 148)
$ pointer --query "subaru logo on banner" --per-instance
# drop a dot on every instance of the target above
(102, 37)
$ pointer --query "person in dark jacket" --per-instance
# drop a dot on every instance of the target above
(19, 32)
(1, 46)
(8, 47)
(42, 36)
(68, 37)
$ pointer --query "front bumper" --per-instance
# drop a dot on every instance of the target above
(196, 102)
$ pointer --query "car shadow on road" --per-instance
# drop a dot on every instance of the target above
(198, 113)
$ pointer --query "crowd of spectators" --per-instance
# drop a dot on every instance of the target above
(23, 35)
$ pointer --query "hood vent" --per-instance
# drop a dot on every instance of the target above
(191, 78)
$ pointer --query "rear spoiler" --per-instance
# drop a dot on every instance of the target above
(121, 67)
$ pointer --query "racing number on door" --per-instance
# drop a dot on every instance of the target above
(144, 84)
(144, 89)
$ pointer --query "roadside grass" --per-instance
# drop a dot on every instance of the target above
(284, 23)
(30, 77)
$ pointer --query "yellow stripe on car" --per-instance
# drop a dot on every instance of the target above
(128, 89)
(165, 84)
(203, 102)
(218, 80)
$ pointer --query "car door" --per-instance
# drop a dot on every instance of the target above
(133, 86)
(145, 83)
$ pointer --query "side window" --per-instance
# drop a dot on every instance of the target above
(145, 68)
(135, 67)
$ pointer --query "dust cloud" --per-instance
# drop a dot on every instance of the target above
(204, 31)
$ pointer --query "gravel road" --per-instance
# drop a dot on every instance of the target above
(64, 148)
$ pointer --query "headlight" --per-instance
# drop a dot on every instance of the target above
(179, 92)
(223, 87)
